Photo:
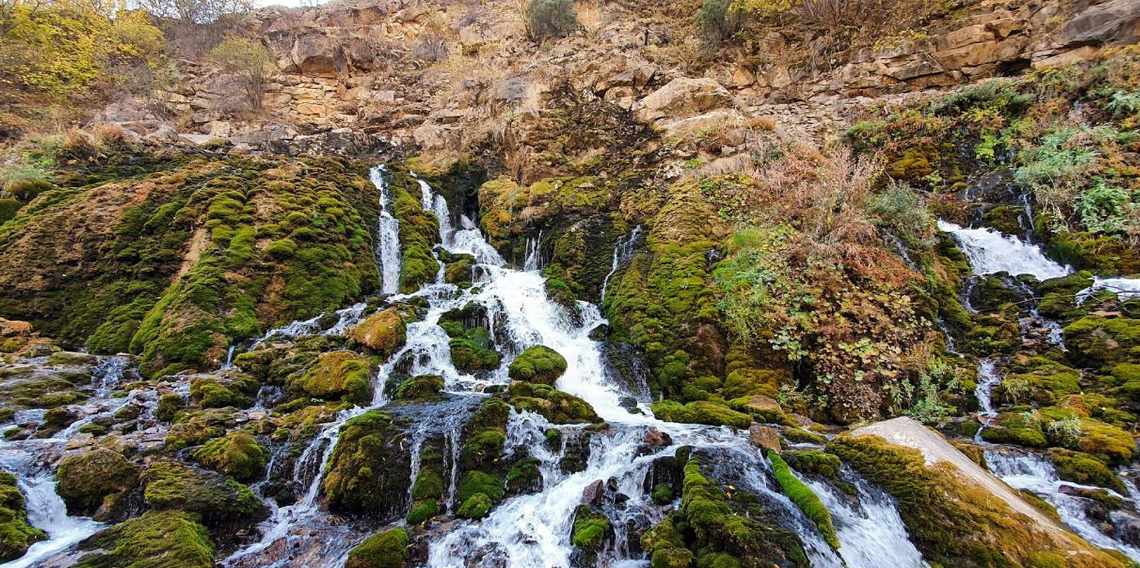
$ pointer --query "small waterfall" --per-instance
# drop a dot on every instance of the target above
(989, 252)
(47, 512)
(108, 373)
(533, 253)
(623, 253)
(988, 377)
(387, 236)
(872, 533)
(1124, 288)
(229, 364)
(1035, 473)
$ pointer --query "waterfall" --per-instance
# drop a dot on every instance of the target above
(533, 260)
(387, 236)
(1035, 473)
(623, 252)
(1124, 288)
(871, 533)
(989, 252)
(988, 377)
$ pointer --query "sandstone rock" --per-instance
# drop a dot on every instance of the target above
(693, 127)
(683, 97)
(764, 437)
(1067, 58)
(1114, 22)
(742, 77)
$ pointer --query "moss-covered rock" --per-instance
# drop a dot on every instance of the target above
(369, 470)
(813, 462)
(1020, 428)
(388, 549)
(157, 539)
(218, 392)
(337, 375)
(701, 412)
(423, 387)
(591, 528)
(956, 523)
(237, 454)
(1095, 341)
(383, 332)
(217, 499)
(16, 535)
(556, 406)
(419, 232)
(1085, 469)
(95, 480)
(168, 406)
(538, 364)
(474, 351)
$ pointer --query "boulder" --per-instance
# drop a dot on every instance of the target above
(683, 97)
(1115, 22)
(764, 437)
(592, 494)
(92, 482)
(383, 332)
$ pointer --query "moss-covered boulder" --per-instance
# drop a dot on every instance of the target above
(383, 332)
(1020, 428)
(556, 406)
(1095, 341)
(388, 549)
(955, 522)
(423, 387)
(761, 408)
(419, 232)
(709, 529)
(196, 427)
(16, 535)
(217, 499)
(429, 485)
(157, 539)
(591, 528)
(237, 454)
(701, 412)
(220, 392)
(473, 351)
(538, 364)
(369, 470)
(1086, 469)
(95, 481)
(336, 375)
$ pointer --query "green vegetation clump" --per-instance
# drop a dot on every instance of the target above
(210, 392)
(473, 351)
(1085, 469)
(335, 375)
(423, 387)
(368, 470)
(157, 539)
(383, 332)
(804, 498)
(16, 535)
(538, 364)
(814, 462)
(550, 19)
(217, 499)
(237, 454)
(701, 412)
(427, 491)
(590, 528)
(388, 549)
(91, 480)
(556, 406)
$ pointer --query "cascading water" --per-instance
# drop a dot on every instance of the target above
(1124, 288)
(387, 236)
(990, 252)
(988, 377)
(1035, 473)
(533, 253)
(623, 252)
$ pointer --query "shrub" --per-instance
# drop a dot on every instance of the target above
(251, 61)
(719, 20)
(904, 210)
(549, 19)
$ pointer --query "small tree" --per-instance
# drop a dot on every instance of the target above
(251, 61)
(547, 19)
(718, 20)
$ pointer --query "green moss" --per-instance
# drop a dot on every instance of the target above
(237, 454)
(214, 393)
(524, 476)
(1095, 341)
(1085, 469)
(473, 351)
(804, 498)
(218, 499)
(388, 549)
(538, 364)
(1021, 428)
(590, 528)
(478, 482)
(157, 539)
(663, 494)
(383, 332)
(814, 462)
(423, 387)
(476, 506)
(337, 375)
(89, 480)
(368, 470)
(701, 412)
(801, 436)
(16, 535)
(556, 406)
(419, 232)
(168, 405)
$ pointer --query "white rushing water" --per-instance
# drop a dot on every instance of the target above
(871, 532)
(988, 377)
(1035, 473)
(623, 252)
(1124, 288)
(387, 236)
(990, 252)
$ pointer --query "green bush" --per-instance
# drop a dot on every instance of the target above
(548, 19)
(718, 20)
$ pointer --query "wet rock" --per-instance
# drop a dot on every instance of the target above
(382, 332)
(764, 437)
(592, 494)
(599, 332)
(655, 437)
(90, 482)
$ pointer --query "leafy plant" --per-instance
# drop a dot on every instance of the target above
(250, 61)
(550, 19)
